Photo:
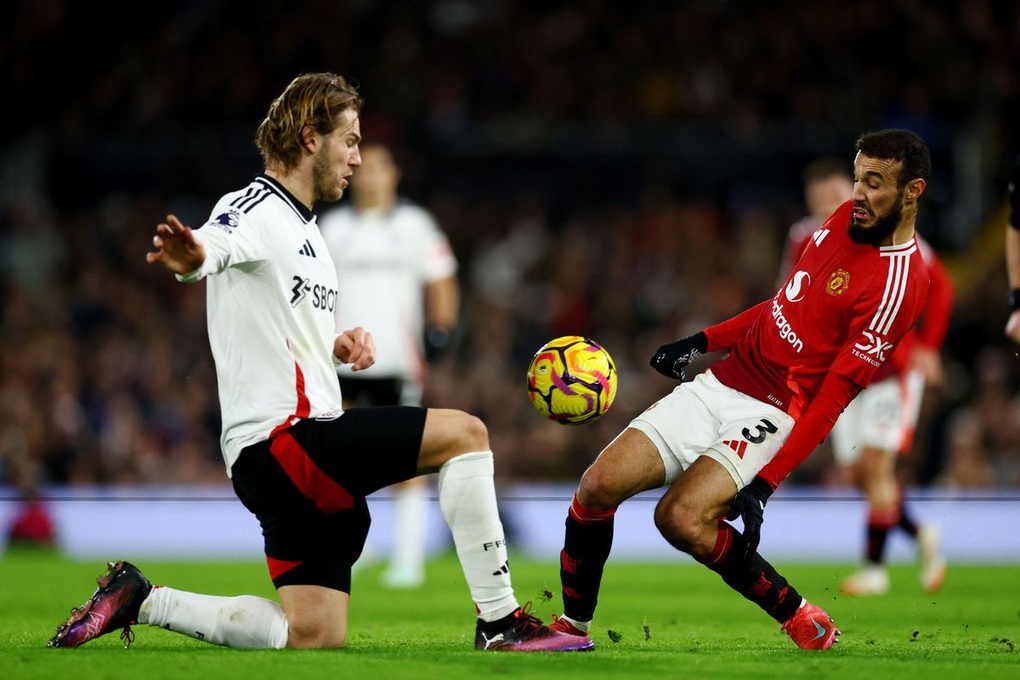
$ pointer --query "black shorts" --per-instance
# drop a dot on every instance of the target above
(307, 487)
(372, 391)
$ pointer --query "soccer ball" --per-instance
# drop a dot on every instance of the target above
(572, 380)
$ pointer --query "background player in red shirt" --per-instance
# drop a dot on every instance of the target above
(878, 426)
(723, 442)
(827, 185)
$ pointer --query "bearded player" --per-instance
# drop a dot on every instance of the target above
(877, 428)
(723, 442)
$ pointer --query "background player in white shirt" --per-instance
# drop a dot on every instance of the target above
(300, 463)
(723, 442)
(398, 276)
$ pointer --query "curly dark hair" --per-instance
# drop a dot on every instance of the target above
(898, 145)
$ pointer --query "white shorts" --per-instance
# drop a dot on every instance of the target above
(706, 418)
(883, 416)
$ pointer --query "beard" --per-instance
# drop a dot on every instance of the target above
(326, 185)
(883, 228)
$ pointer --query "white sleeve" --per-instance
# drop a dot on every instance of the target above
(230, 240)
(439, 262)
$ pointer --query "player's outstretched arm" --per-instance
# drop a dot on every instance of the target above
(176, 247)
(725, 334)
(670, 359)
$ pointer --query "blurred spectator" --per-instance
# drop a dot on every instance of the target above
(984, 435)
(621, 174)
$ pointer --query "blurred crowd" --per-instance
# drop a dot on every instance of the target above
(568, 149)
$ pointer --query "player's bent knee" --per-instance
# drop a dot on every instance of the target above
(315, 637)
(450, 433)
(876, 463)
(460, 432)
(474, 432)
(677, 524)
(316, 618)
(598, 490)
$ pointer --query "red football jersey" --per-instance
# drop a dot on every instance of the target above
(843, 308)
(934, 325)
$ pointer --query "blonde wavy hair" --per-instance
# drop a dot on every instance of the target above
(315, 99)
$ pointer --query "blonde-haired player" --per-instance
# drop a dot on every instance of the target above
(299, 462)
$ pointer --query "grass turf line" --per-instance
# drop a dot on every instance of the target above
(668, 620)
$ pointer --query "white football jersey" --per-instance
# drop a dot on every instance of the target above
(384, 260)
(271, 304)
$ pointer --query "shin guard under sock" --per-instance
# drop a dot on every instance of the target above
(467, 498)
(752, 576)
(588, 539)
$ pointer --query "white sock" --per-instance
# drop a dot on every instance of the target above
(410, 508)
(467, 497)
(244, 621)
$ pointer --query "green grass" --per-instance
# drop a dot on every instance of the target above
(672, 621)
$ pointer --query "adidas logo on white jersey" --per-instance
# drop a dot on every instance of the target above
(307, 249)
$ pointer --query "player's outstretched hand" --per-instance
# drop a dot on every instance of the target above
(671, 359)
(749, 505)
(355, 347)
(177, 249)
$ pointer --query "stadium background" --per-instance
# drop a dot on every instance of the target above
(623, 172)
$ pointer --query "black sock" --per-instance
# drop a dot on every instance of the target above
(585, 551)
(906, 522)
(877, 535)
(752, 576)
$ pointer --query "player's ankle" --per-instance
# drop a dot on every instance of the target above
(583, 626)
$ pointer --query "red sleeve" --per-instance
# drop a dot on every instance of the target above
(836, 392)
(723, 335)
(938, 309)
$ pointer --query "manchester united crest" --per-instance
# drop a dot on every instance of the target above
(839, 281)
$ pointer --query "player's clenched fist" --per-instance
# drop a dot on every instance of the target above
(671, 359)
(355, 347)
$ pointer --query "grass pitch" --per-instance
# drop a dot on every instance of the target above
(658, 621)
